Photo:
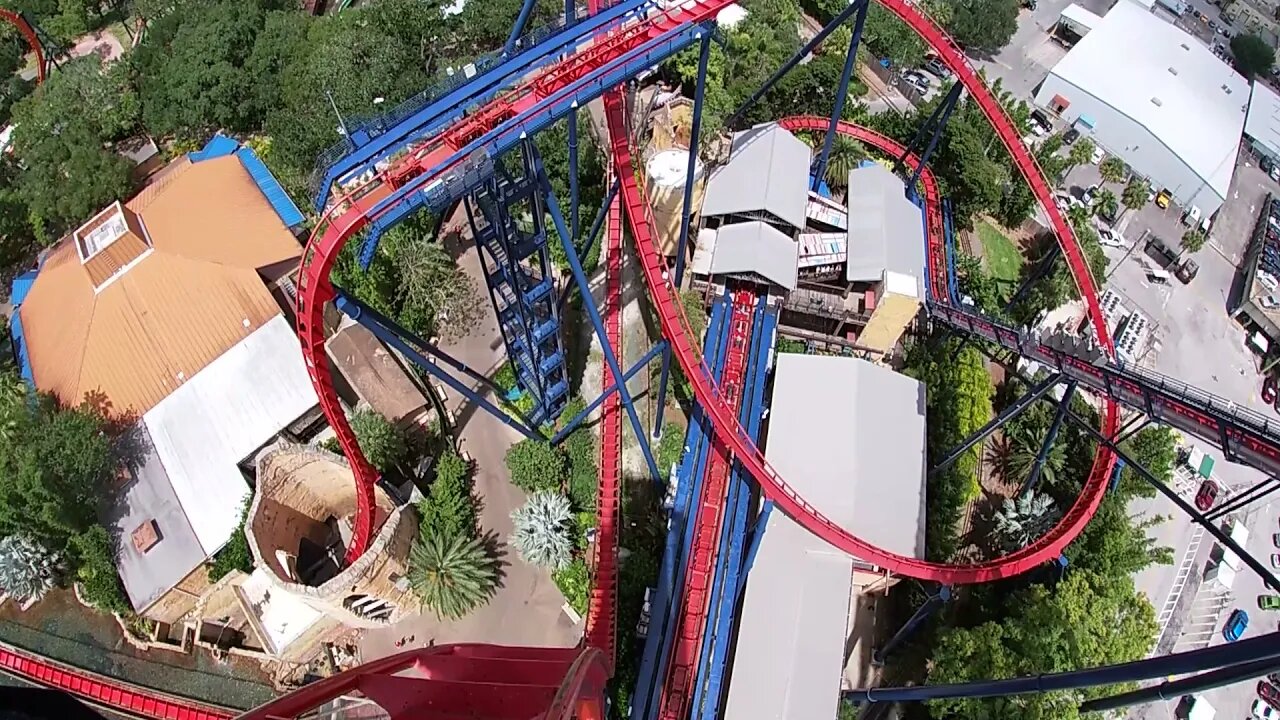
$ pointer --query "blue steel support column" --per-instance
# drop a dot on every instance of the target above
(570, 13)
(577, 419)
(948, 105)
(1015, 409)
(1049, 438)
(579, 275)
(390, 337)
(682, 247)
(573, 159)
(928, 608)
(518, 28)
(842, 94)
(592, 235)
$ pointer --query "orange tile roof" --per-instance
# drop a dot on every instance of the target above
(196, 295)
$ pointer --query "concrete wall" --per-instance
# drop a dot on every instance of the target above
(1145, 153)
(180, 599)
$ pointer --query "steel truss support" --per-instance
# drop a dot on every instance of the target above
(389, 333)
(1190, 510)
(842, 94)
(578, 419)
(800, 55)
(1171, 689)
(1257, 492)
(1041, 272)
(929, 607)
(1014, 410)
(1050, 437)
(1265, 647)
(593, 313)
(1135, 425)
(592, 235)
(682, 247)
(518, 29)
(936, 123)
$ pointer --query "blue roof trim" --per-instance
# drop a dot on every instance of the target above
(280, 201)
(21, 286)
(218, 146)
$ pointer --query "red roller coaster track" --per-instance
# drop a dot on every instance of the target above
(28, 34)
(345, 219)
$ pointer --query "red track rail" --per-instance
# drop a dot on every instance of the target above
(29, 34)
(601, 613)
(678, 689)
(103, 691)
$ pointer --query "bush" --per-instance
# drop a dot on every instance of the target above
(670, 447)
(27, 570)
(575, 584)
(788, 345)
(99, 583)
(535, 465)
(235, 555)
(542, 530)
(384, 445)
(449, 510)
(451, 576)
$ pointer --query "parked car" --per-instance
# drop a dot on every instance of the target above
(1237, 623)
(1087, 195)
(938, 68)
(1270, 694)
(1275, 539)
(1111, 238)
(917, 80)
(1275, 560)
(1263, 711)
(1187, 271)
(1207, 495)
(1163, 198)
(1070, 136)
(1038, 128)
(1098, 154)
(1269, 602)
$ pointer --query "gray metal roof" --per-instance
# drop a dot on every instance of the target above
(886, 230)
(768, 169)
(849, 437)
(756, 247)
(149, 496)
(1262, 123)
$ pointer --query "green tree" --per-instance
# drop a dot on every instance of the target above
(983, 25)
(1112, 169)
(384, 445)
(1081, 152)
(451, 576)
(1135, 194)
(845, 156)
(235, 555)
(1020, 521)
(61, 138)
(1253, 55)
(888, 36)
(536, 465)
(449, 510)
(1193, 240)
(434, 291)
(1105, 204)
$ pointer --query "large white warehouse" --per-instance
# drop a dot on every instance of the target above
(1157, 97)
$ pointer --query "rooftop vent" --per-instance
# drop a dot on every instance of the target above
(145, 536)
(1226, 89)
(1173, 70)
(1156, 101)
(1186, 46)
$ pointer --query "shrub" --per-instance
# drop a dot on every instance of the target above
(670, 447)
(542, 532)
(449, 509)
(384, 445)
(451, 576)
(27, 569)
(235, 555)
(97, 577)
(575, 584)
(535, 465)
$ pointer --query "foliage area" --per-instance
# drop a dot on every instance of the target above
(384, 445)
(235, 555)
(541, 533)
(27, 570)
(95, 551)
(581, 452)
(1002, 256)
(960, 391)
(980, 26)
(451, 569)
(449, 510)
(1253, 55)
(670, 447)
(536, 465)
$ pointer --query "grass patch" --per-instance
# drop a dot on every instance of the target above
(1001, 256)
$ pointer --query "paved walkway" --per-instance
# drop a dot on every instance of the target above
(527, 607)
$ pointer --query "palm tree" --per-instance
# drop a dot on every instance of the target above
(451, 576)
(845, 155)
(27, 569)
(1193, 240)
(541, 534)
(1106, 204)
(1135, 194)
(1081, 152)
(1020, 521)
(1023, 449)
(1112, 169)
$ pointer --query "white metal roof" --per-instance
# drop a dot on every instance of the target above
(1079, 15)
(220, 416)
(768, 169)
(1262, 123)
(1166, 81)
(849, 437)
(281, 615)
(886, 230)
(148, 497)
(756, 247)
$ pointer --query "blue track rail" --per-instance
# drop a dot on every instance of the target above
(436, 108)
(679, 531)
(717, 639)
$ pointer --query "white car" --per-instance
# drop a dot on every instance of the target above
(1110, 238)
(1098, 154)
(1275, 557)
(1087, 196)
(1262, 711)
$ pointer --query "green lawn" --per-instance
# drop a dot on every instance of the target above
(1002, 258)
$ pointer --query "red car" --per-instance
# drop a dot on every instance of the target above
(1206, 495)
(1269, 693)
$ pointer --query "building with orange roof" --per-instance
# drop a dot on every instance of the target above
(175, 308)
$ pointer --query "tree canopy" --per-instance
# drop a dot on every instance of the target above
(983, 25)
(1253, 55)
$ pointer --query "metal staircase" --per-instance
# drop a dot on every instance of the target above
(511, 236)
